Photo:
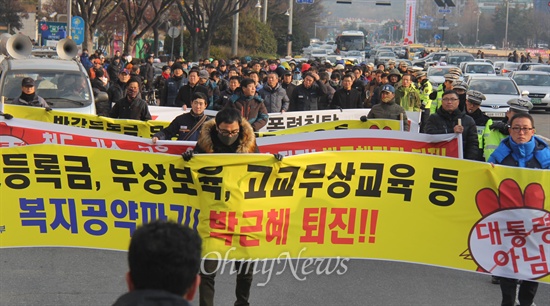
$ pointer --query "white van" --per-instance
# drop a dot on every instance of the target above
(63, 83)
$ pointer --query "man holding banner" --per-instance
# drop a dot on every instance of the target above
(187, 126)
(228, 133)
(449, 119)
(521, 149)
(388, 109)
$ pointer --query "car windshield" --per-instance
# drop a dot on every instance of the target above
(540, 68)
(532, 79)
(59, 89)
(479, 69)
(494, 87)
(387, 54)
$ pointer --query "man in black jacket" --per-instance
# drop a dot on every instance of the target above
(306, 96)
(185, 94)
(449, 119)
(118, 88)
(132, 106)
(347, 96)
(187, 126)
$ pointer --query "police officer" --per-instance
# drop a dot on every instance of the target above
(425, 88)
(474, 99)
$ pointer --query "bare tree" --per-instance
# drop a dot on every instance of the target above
(141, 16)
(204, 17)
(94, 13)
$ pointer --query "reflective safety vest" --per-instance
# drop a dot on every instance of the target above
(482, 133)
(492, 139)
(425, 90)
(436, 103)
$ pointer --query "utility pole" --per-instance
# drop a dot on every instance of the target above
(505, 46)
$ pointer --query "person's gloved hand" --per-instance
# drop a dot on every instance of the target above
(6, 116)
(501, 127)
(48, 109)
(433, 95)
(187, 155)
(363, 118)
(278, 156)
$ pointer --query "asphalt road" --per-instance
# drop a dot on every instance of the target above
(542, 124)
(65, 276)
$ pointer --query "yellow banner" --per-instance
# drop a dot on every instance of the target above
(139, 128)
(377, 124)
(379, 205)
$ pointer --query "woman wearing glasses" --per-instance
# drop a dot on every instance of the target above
(521, 149)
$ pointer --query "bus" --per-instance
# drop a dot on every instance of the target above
(351, 42)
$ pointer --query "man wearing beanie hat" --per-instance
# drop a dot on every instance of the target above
(388, 109)
(28, 95)
(499, 129)
(473, 103)
(172, 85)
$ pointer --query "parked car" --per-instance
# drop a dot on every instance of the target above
(505, 68)
(498, 90)
(537, 83)
(489, 46)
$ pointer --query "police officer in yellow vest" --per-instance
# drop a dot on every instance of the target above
(425, 88)
(499, 129)
(474, 99)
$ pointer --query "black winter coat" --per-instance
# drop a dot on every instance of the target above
(443, 122)
(305, 99)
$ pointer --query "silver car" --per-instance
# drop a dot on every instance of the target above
(537, 83)
(498, 90)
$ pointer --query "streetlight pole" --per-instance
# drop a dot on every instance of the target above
(69, 18)
(259, 7)
(265, 11)
(289, 36)
(235, 32)
(477, 27)
(506, 28)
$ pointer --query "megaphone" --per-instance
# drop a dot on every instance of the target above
(17, 46)
(66, 49)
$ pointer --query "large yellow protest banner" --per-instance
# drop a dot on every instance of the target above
(379, 205)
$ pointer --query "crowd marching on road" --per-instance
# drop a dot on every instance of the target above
(245, 91)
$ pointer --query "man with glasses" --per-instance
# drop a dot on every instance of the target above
(186, 126)
(449, 119)
(228, 133)
(525, 150)
(500, 129)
